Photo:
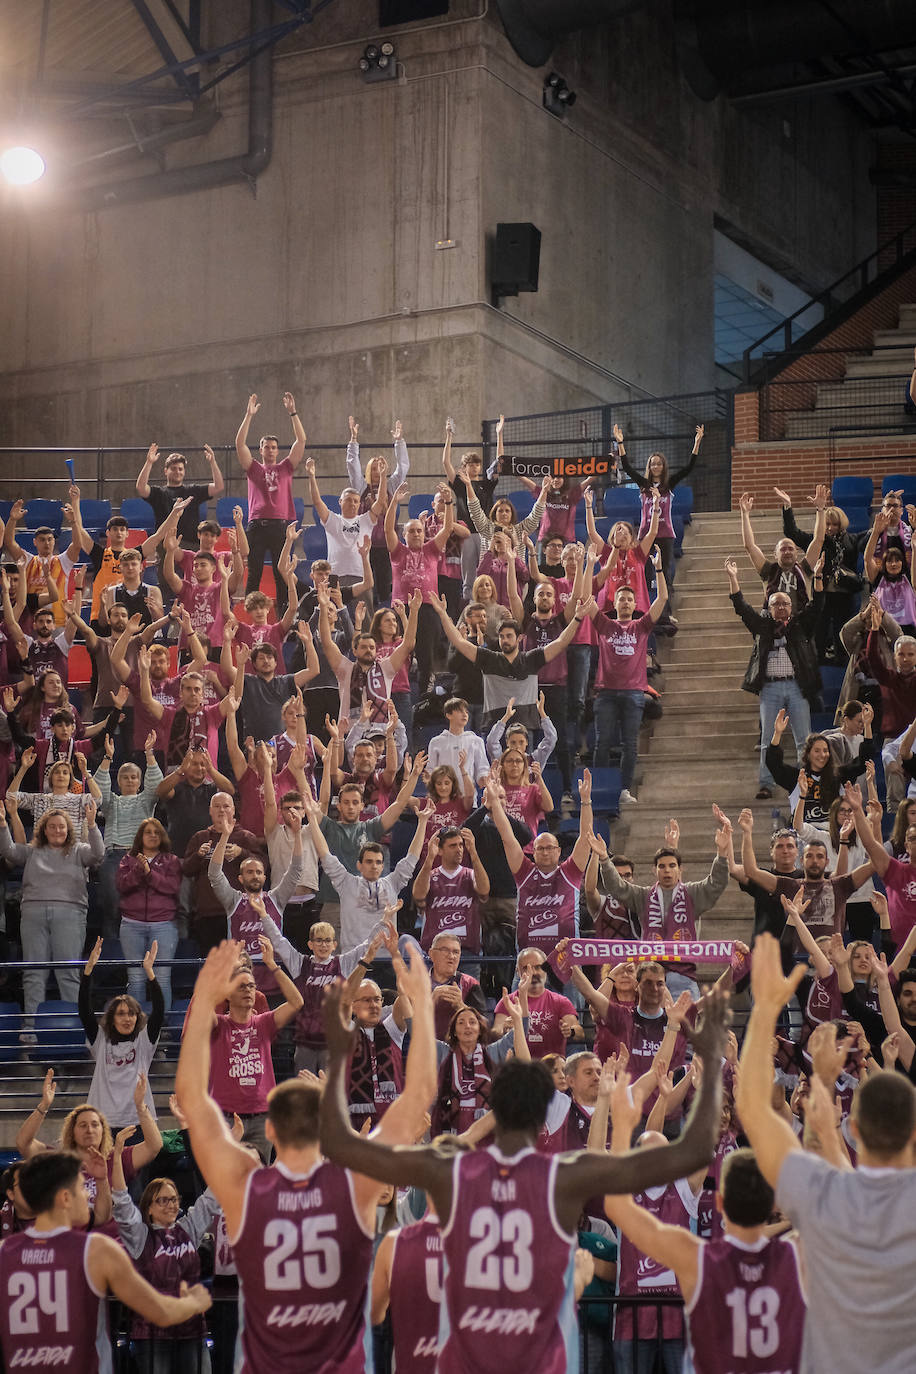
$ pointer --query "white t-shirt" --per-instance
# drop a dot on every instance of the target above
(343, 537)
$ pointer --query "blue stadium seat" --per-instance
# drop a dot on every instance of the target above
(682, 503)
(522, 500)
(859, 518)
(59, 1031)
(225, 505)
(852, 491)
(299, 508)
(419, 503)
(138, 514)
(332, 503)
(314, 543)
(895, 481)
(622, 503)
(41, 512)
(95, 514)
(26, 540)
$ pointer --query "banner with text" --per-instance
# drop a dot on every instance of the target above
(583, 951)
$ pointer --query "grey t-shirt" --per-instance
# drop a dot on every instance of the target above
(859, 1245)
(262, 704)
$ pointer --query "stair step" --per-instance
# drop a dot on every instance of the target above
(890, 362)
(890, 338)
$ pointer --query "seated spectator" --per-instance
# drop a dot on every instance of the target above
(450, 988)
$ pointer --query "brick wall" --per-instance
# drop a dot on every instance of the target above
(797, 467)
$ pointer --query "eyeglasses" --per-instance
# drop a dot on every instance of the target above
(166, 1200)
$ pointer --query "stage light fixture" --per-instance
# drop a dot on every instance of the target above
(21, 166)
(378, 62)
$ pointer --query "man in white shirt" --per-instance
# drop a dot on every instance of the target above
(346, 531)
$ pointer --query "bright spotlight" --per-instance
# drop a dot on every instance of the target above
(21, 166)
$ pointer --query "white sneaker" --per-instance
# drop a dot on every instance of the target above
(626, 798)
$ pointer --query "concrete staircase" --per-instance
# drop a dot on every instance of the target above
(874, 380)
(704, 749)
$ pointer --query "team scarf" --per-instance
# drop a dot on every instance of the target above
(464, 1090)
(589, 951)
(376, 1072)
(678, 923)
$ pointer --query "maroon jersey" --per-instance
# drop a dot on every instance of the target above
(313, 978)
(416, 1293)
(50, 1314)
(548, 904)
(303, 1257)
(748, 1309)
(638, 1275)
(451, 909)
(509, 1268)
(709, 1218)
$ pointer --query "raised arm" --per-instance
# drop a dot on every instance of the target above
(752, 873)
(321, 509)
(241, 438)
(752, 548)
(452, 634)
(873, 847)
(514, 852)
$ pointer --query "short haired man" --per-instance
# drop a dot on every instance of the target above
(55, 1273)
(451, 989)
(207, 914)
(270, 493)
(828, 1205)
(448, 890)
(162, 499)
(783, 572)
(552, 1017)
(45, 565)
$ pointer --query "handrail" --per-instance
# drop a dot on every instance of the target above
(824, 297)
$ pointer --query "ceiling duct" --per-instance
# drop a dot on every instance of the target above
(533, 27)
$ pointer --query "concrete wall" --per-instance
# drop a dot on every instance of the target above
(156, 320)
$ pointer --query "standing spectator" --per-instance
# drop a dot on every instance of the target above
(186, 794)
(123, 812)
(347, 531)
(241, 1068)
(378, 475)
(842, 582)
(481, 486)
(621, 681)
(54, 900)
(366, 673)
(415, 568)
(656, 484)
(552, 1017)
(44, 566)
(503, 516)
(122, 1044)
(509, 672)
(468, 1059)
(784, 573)
(162, 499)
(817, 781)
(207, 914)
(270, 493)
(187, 725)
(246, 908)
(265, 691)
(204, 595)
(149, 881)
(782, 670)
(448, 890)
(446, 748)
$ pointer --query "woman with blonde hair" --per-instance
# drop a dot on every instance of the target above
(55, 882)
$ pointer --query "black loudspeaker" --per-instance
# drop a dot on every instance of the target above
(516, 258)
(406, 11)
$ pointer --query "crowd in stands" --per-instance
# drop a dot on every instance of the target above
(391, 770)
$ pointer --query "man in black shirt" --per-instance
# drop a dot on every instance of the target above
(507, 671)
(162, 499)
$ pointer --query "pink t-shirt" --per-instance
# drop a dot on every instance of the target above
(524, 804)
(628, 571)
(184, 565)
(401, 681)
(202, 730)
(166, 692)
(560, 514)
(203, 603)
(900, 884)
(253, 635)
(250, 790)
(270, 491)
(545, 1012)
(415, 569)
(586, 631)
(241, 1069)
(622, 653)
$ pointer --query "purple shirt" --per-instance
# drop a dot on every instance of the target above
(747, 1312)
(622, 653)
(416, 1292)
(270, 491)
(50, 1317)
(451, 908)
(241, 1067)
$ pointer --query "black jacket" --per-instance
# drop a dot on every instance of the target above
(799, 645)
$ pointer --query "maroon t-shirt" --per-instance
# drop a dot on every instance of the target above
(622, 653)
(241, 1068)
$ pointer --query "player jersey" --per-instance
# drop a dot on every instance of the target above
(748, 1309)
(51, 1317)
(303, 1255)
(508, 1269)
(416, 1296)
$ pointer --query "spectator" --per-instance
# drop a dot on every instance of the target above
(44, 566)
(348, 530)
(123, 812)
(784, 573)
(450, 988)
(447, 890)
(270, 493)
(817, 781)
(447, 747)
(467, 1060)
(207, 915)
(54, 901)
(415, 569)
(122, 1044)
(186, 794)
(841, 578)
(782, 670)
(481, 486)
(149, 880)
(657, 484)
(552, 1017)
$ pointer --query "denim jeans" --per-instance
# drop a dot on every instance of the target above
(578, 666)
(136, 938)
(557, 708)
(51, 931)
(638, 1357)
(774, 697)
(618, 716)
(107, 898)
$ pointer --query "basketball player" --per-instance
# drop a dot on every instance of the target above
(302, 1231)
(742, 1294)
(53, 1278)
(509, 1214)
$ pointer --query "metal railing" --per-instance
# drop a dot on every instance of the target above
(817, 408)
(878, 268)
(664, 424)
